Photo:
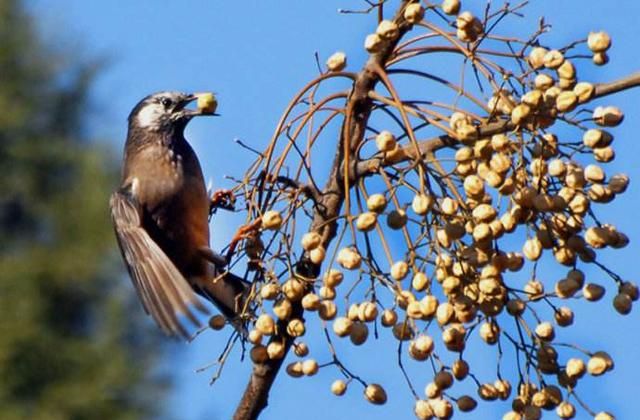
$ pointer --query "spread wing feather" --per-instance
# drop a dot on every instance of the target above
(164, 292)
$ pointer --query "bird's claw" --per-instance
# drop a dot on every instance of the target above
(243, 232)
(222, 199)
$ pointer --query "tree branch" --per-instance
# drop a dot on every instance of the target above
(628, 82)
(359, 106)
(371, 166)
(329, 202)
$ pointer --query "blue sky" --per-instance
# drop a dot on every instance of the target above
(256, 55)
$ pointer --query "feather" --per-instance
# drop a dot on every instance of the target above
(165, 293)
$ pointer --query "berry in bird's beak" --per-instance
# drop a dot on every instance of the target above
(206, 105)
(206, 102)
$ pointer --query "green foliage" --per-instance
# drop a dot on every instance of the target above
(70, 346)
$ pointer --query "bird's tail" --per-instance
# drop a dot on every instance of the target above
(229, 293)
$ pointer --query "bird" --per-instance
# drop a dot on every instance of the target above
(160, 215)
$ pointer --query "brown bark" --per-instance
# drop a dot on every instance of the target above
(628, 82)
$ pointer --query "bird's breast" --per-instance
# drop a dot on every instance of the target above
(170, 187)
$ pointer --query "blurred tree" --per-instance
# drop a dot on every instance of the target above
(66, 347)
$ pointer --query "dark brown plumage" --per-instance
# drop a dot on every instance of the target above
(160, 215)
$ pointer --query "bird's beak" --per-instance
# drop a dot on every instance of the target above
(206, 105)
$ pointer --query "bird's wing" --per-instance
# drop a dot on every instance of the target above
(164, 292)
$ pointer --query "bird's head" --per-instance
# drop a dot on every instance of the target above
(165, 112)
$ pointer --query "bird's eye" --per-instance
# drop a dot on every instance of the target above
(166, 102)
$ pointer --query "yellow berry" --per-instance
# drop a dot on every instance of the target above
(207, 103)
(338, 387)
(375, 394)
(337, 61)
